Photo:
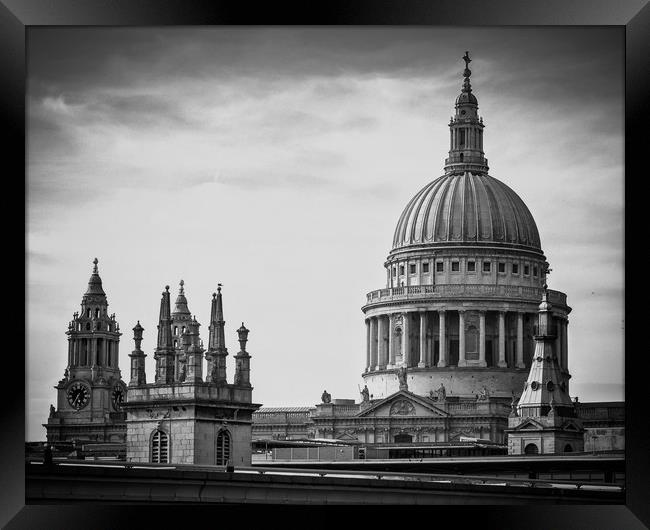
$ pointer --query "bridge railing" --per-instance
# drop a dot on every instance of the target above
(374, 475)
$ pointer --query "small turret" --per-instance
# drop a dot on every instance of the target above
(242, 359)
(164, 354)
(138, 375)
(217, 351)
(193, 353)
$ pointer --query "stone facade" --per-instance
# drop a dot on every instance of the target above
(181, 418)
(91, 392)
(451, 337)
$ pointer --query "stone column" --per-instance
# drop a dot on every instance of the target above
(481, 338)
(502, 340)
(381, 343)
(391, 341)
(70, 352)
(423, 339)
(373, 343)
(461, 338)
(367, 345)
(520, 340)
(565, 344)
(442, 339)
(406, 342)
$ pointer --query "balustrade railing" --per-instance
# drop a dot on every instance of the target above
(464, 290)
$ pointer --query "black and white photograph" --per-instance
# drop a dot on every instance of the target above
(325, 265)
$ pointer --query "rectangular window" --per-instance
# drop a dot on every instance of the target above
(425, 267)
(534, 270)
(526, 270)
(502, 267)
(394, 272)
(412, 268)
(487, 266)
(515, 268)
(440, 266)
(471, 266)
(455, 266)
(401, 270)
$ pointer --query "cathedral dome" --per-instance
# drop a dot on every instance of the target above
(466, 208)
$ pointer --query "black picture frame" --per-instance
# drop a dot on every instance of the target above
(16, 16)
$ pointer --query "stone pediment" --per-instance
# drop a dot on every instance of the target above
(571, 425)
(347, 435)
(529, 424)
(403, 404)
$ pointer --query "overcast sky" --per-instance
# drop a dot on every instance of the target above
(277, 161)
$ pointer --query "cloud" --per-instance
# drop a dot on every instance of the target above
(253, 180)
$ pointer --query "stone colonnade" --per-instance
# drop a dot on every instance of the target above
(96, 353)
(391, 335)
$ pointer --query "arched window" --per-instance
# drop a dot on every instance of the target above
(175, 330)
(223, 448)
(531, 449)
(160, 447)
(96, 313)
(183, 329)
(99, 326)
(88, 325)
(568, 448)
(175, 344)
(88, 312)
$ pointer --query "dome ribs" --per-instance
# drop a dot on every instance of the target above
(473, 208)
(499, 210)
(484, 220)
(442, 221)
(432, 204)
(471, 217)
(411, 220)
(419, 216)
(400, 231)
(520, 236)
(458, 210)
(452, 215)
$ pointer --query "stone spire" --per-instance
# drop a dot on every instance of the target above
(217, 350)
(95, 282)
(466, 130)
(546, 388)
(94, 297)
(180, 307)
(164, 354)
(138, 375)
(242, 359)
(193, 353)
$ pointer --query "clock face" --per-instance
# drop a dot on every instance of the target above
(117, 397)
(78, 395)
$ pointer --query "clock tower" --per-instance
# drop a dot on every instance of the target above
(90, 395)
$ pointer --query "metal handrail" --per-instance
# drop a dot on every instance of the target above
(375, 475)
